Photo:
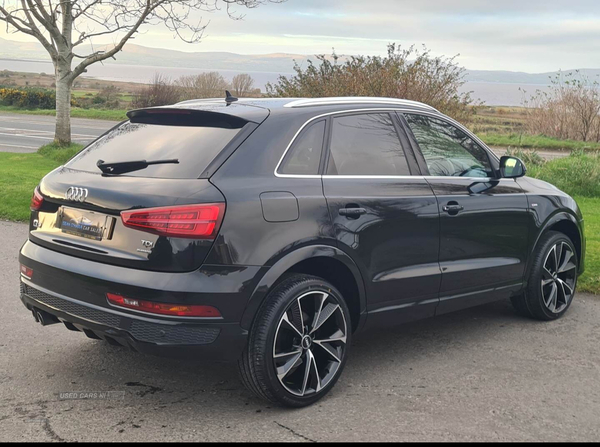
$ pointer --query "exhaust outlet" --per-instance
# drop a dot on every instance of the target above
(44, 318)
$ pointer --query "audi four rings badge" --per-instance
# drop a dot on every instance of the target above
(76, 194)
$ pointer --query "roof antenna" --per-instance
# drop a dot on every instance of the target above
(229, 98)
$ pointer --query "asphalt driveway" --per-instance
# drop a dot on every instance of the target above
(483, 374)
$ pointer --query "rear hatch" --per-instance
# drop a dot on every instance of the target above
(163, 217)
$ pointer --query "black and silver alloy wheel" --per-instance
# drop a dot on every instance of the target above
(298, 343)
(559, 277)
(552, 278)
(310, 342)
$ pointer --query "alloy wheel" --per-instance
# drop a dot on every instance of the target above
(310, 343)
(559, 276)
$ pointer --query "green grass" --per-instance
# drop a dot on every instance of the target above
(538, 142)
(59, 154)
(100, 114)
(590, 280)
(577, 174)
(19, 175)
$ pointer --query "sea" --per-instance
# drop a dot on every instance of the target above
(489, 93)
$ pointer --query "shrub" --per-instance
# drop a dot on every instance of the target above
(28, 97)
(404, 73)
(203, 85)
(160, 92)
(570, 111)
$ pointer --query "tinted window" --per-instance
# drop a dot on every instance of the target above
(194, 146)
(304, 156)
(448, 151)
(366, 145)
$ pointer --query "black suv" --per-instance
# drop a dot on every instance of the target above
(270, 231)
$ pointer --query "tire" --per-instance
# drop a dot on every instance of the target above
(552, 279)
(300, 306)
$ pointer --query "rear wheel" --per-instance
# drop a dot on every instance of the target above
(552, 279)
(298, 343)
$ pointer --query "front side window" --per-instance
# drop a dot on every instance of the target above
(304, 156)
(366, 145)
(447, 150)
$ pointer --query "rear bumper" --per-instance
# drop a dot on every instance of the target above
(217, 341)
(73, 291)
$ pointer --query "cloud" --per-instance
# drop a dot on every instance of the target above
(526, 35)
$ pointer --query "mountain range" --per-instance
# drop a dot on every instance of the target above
(134, 54)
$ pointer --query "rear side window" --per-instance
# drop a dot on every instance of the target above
(366, 145)
(194, 146)
(304, 156)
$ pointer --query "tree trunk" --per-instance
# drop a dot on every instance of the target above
(62, 134)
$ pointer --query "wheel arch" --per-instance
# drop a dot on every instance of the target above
(327, 262)
(567, 224)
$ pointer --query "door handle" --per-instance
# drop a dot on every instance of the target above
(453, 208)
(352, 213)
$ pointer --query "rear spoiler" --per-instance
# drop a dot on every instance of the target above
(173, 116)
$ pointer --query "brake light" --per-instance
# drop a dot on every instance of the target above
(189, 221)
(180, 310)
(36, 199)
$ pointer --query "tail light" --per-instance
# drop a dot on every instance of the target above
(36, 199)
(189, 221)
(180, 310)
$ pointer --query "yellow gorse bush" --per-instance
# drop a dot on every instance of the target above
(27, 97)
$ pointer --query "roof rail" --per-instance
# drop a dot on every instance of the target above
(355, 100)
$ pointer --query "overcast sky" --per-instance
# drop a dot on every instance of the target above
(516, 35)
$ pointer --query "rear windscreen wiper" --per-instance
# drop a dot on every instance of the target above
(122, 167)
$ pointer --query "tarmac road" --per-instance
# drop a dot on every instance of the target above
(26, 133)
(484, 374)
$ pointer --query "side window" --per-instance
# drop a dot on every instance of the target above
(304, 156)
(447, 150)
(366, 145)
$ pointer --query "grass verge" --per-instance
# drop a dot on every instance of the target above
(19, 175)
(100, 114)
(538, 142)
(590, 280)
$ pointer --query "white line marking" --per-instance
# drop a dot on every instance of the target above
(20, 147)
(36, 131)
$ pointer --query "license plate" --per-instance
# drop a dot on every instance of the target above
(85, 224)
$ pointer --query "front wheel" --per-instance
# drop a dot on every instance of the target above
(552, 279)
(298, 343)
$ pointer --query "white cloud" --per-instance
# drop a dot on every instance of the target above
(526, 35)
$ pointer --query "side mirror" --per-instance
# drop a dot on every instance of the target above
(512, 167)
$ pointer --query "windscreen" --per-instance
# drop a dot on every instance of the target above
(194, 146)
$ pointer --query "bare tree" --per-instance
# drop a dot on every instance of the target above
(204, 85)
(569, 110)
(160, 92)
(242, 85)
(62, 26)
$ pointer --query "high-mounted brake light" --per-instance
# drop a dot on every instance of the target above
(36, 199)
(188, 221)
(180, 310)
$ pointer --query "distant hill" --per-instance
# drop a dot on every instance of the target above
(274, 63)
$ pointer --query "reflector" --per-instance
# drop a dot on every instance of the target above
(180, 310)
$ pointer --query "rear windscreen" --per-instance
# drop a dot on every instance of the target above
(194, 146)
